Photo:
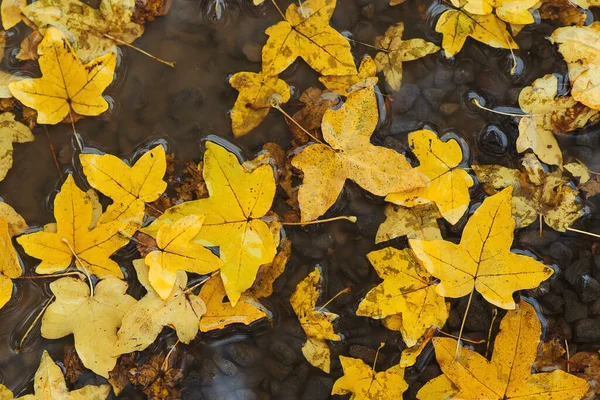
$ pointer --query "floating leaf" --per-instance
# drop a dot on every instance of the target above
(419, 222)
(360, 380)
(344, 84)
(11, 131)
(11, 12)
(267, 274)
(10, 267)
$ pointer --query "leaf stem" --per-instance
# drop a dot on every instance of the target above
(278, 9)
(463, 339)
(351, 218)
(478, 104)
(487, 346)
(85, 271)
(368, 45)
(276, 106)
(377, 356)
(462, 325)
(169, 63)
(165, 364)
(583, 232)
(56, 164)
(37, 318)
(79, 274)
(568, 356)
(341, 292)
(74, 131)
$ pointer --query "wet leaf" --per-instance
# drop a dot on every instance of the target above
(157, 381)
(29, 46)
(409, 355)
(119, 376)
(219, 314)
(394, 51)
(482, 260)
(16, 223)
(92, 247)
(129, 187)
(458, 25)
(350, 155)
(11, 12)
(10, 268)
(5, 80)
(345, 84)
(586, 3)
(587, 183)
(5, 393)
(268, 273)
(93, 320)
(439, 388)
(95, 32)
(66, 86)
(365, 384)
(550, 356)
(419, 222)
(536, 192)
(306, 33)
(317, 323)
(148, 10)
(447, 185)
(508, 374)
(548, 115)
(408, 290)
(49, 383)
(316, 102)
(176, 253)
(145, 320)
(11, 131)
(238, 199)
(565, 11)
(257, 92)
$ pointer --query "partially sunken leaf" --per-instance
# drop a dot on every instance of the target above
(145, 320)
(548, 115)
(93, 320)
(11, 12)
(306, 33)
(219, 314)
(350, 155)
(29, 46)
(447, 185)
(257, 92)
(74, 239)
(344, 84)
(363, 383)
(536, 192)
(458, 25)
(317, 353)
(5, 80)
(5, 393)
(93, 30)
(49, 384)
(439, 388)
(508, 374)
(66, 84)
(407, 289)
(177, 253)
(11, 131)
(238, 198)
(394, 51)
(10, 268)
(418, 222)
(16, 223)
(268, 273)
(409, 355)
(129, 187)
(482, 260)
(316, 102)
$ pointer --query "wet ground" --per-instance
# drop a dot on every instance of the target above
(151, 102)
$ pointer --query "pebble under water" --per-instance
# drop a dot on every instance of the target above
(182, 107)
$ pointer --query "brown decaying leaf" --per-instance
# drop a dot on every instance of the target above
(268, 273)
(119, 377)
(564, 11)
(157, 383)
(29, 46)
(147, 10)
(550, 356)
(316, 102)
(73, 365)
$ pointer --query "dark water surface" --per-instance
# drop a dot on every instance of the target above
(151, 102)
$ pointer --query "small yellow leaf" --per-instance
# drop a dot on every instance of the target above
(364, 384)
(394, 51)
(238, 199)
(73, 210)
(10, 267)
(16, 223)
(145, 320)
(515, 11)
(344, 84)
(317, 353)
(49, 384)
(447, 185)
(11, 12)
(407, 289)
(537, 192)
(66, 85)
(93, 320)
(306, 33)
(418, 222)
(219, 314)
(94, 31)
(409, 355)
(508, 374)
(177, 253)
(257, 92)
(350, 155)
(482, 260)
(11, 131)
(458, 25)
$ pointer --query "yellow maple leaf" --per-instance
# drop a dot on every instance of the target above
(364, 384)
(49, 383)
(11, 12)
(74, 238)
(482, 260)
(11, 131)
(177, 253)
(393, 51)
(257, 92)
(145, 320)
(306, 33)
(407, 289)
(418, 222)
(128, 187)
(11, 267)
(458, 25)
(350, 155)
(537, 192)
(508, 374)
(95, 31)
(548, 115)
(344, 84)
(515, 11)
(66, 84)
(238, 199)
(219, 314)
(447, 185)
(317, 353)
(16, 223)
(92, 319)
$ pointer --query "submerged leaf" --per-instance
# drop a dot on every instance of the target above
(11, 131)
(418, 222)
